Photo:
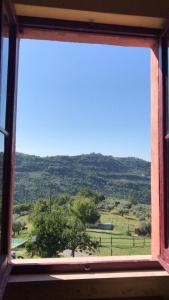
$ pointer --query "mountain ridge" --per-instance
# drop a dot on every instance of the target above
(118, 177)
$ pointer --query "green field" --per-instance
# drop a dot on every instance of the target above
(122, 240)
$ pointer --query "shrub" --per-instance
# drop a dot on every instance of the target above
(144, 229)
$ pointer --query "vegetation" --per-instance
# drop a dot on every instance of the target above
(118, 178)
(57, 228)
(88, 204)
(63, 222)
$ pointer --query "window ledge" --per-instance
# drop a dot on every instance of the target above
(86, 276)
(85, 265)
(82, 259)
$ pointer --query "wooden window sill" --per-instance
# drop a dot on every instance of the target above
(85, 264)
(86, 276)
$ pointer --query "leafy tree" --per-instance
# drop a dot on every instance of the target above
(17, 227)
(31, 248)
(49, 232)
(122, 210)
(41, 206)
(88, 193)
(85, 210)
(144, 229)
(77, 237)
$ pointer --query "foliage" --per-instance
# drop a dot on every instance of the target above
(122, 210)
(48, 229)
(95, 196)
(144, 229)
(85, 210)
(17, 227)
(77, 237)
(44, 177)
(57, 228)
(21, 209)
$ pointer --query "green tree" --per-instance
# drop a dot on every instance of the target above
(49, 231)
(85, 210)
(97, 197)
(17, 227)
(122, 210)
(77, 237)
(144, 229)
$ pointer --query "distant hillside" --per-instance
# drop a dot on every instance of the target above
(38, 177)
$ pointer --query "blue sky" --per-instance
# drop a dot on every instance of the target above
(82, 98)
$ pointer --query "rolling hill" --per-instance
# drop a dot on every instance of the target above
(38, 177)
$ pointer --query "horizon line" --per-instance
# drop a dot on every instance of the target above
(74, 155)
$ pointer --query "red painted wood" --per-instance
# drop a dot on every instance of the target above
(86, 27)
(161, 147)
(9, 155)
(85, 265)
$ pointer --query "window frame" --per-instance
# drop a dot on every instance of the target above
(164, 137)
(40, 28)
(8, 132)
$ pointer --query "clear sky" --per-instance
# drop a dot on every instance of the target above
(82, 98)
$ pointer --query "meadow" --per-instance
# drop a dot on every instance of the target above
(122, 240)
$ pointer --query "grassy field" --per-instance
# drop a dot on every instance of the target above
(122, 240)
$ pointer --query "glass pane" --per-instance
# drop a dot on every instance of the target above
(4, 71)
(1, 174)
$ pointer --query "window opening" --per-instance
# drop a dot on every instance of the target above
(82, 182)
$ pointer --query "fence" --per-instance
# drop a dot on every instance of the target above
(110, 243)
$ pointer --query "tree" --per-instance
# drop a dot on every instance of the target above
(16, 227)
(122, 210)
(49, 231)
(77, 237)
(97, 197)
(85, 210)
(144, 229)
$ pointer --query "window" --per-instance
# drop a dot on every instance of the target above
(56, 30)
(70, 154)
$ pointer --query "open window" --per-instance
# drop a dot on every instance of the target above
(83, 32)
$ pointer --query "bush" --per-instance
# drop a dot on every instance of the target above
(144, 229)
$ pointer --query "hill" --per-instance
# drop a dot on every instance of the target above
(39, 177)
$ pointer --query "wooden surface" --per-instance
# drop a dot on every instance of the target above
(148, 8)
(85, 264)
(155, 216)
(90, 286)
(88, 16)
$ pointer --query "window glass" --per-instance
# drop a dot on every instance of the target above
(4, 71)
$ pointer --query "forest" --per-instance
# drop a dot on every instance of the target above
(88, 204)
(40, 177)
